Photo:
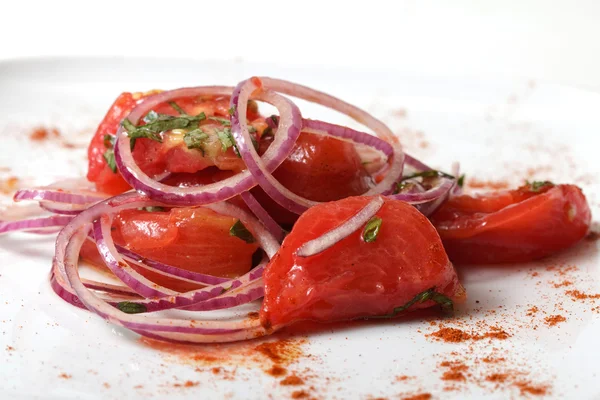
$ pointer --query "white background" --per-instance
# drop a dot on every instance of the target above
(546, 40)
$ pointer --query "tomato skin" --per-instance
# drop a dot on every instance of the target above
(513, 226)
(355, 279)
(98, 171)
(320, 168)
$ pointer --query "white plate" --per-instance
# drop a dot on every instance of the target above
(497, 130)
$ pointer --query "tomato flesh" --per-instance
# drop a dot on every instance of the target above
(355, 279)
(513, 226)
(320, 168)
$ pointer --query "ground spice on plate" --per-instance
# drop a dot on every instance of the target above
(554, 319)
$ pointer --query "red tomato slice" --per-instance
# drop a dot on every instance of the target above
(320, 168)
(98, 171)
(172, 154)
(195, 239)
(353, 278)
(513, 226)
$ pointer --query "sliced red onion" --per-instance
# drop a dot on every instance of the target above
(263, 215)
(56, 196)
(69, 243)
(130, 277)
(315, 126)
(361, 116)
(354, 223)
(290, 124)
(34, 224)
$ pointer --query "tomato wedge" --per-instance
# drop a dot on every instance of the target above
(195, 239)
(521, 225)
(354, 278)
(320, 168)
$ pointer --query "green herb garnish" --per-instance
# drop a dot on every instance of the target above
(226, 138)
(109, 153)
(231, 111)
(194, 139)
(432, 173)
(536, 186)
(430, 294)
(131, 308)
(239, 230)
(372, 229)
(177, 108)
(461, 180)
(152, 209)
(160, 124)
(109, 156)
(222, 121)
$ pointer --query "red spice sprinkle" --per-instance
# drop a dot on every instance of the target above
(65, 376)
(253, 315)
(579, 295)
(403, 378)
(9, 348)
(554, 319)
(491, 360)
(420, 396)
(498, 378)
(106, 385)
(529, 388)
(454, 335)
(300, 394)
(41, 134)
(276, 370)
(216, 370)
(9, 184)
(453, 376)
(292, 380)
(187, 384)
(532, 311)
(563, 283)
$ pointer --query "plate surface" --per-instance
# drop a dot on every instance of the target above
(501, 132)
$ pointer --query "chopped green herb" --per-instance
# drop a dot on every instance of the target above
(428, 174)
(153, 209)
(194, 139)
(536, 186)
(239, 230)
(131, 308)
(177, 108)
(251, 129)
(461, 180)
(366, 162)
(275, 119)
(429, 294)
(109, 156)
(222, 121)
(226, 138)
(231, 111)
(399, 187)
(163, 123)
(372, 229)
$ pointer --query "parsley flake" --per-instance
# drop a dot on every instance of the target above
(239, 230)
(109, 156)
(129, 307)
(161, 124)
(430, 294)
(372, 229)
(194, 139)
(536, 186)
